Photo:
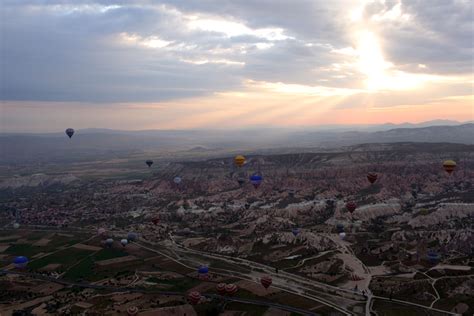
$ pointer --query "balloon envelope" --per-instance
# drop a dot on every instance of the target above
(69, 132)
(372, 177)
(221, 288)
(124, 242)
(351, 206)
(132, 236)
(194, 297)
(132, 310)
(20, 261)
(295, 231)
(256, 180)
(342, 235)
(149, 163)
(449, 165)
(239, 160)
(16, 225)
(266, 281)
(177, 180)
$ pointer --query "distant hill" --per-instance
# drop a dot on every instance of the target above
(106, 144)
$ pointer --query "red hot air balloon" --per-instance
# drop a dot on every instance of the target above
(132, 310)
(221, 288)
(351, 206)
(194, 297)
(231, 289)
(266, 281)
(372, 177)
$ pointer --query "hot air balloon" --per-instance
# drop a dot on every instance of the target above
(177, 180)
(132, 310)
(101, 232)
(433, 257)
(149, 163)
(339, 228)
(132, 236)
(16, 225)
(231, 289)
(295, 231)
(109, 242)
(351, 206)
(266, 281)
(124, 242)
(69, 132)
(342, 235)
(221, 288)
(20, 262)
(372, 177)
(256, 180)
(239, 160)
(194, 297)
(449, 166)
(203, 272)
(241, 181)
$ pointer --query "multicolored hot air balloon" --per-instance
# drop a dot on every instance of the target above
(221, 288)
(449, 166)
(124, 242)
(194, 297)
(231, 289)
(20, 262)
(69, 132)
(256, 180)
(203, 272)
(149, 163)
(266, 281)
(351, 206)
(132, 311)
(239, 160)
(372, 177)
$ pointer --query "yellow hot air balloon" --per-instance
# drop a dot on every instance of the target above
(239, 160)
(449, 166)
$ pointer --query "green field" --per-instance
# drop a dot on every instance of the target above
(66, 258)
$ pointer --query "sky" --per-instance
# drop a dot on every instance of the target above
(183, 64)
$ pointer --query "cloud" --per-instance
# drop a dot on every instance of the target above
(105, 52)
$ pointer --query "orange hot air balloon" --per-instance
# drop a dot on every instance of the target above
(372, 177)
(239, 160)
(449, 166)
(266, 281)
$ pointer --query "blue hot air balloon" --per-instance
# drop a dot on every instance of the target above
(339, 228)
(433, 257)
(132, 236)
(20, 262)
(295, 231)
(203, 270)
(256, 180)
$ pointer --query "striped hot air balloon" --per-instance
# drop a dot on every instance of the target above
(194, 297)
(132, 310)
(266, 281)
(372, 177)
(449, 166)
(221, 288)
(231, 289)
(239, 160)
